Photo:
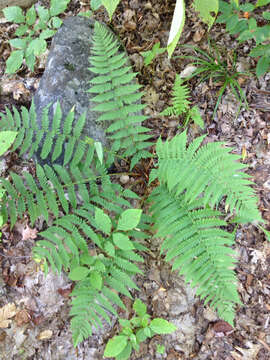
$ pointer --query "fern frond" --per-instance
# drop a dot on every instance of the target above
(180, 98)
(211, 170)
(117, 96)
(198, 247)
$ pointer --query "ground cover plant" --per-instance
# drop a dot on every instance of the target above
(193, 181)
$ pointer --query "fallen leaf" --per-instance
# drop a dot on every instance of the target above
(222, 328)
(22, 317)
(45, 335)
(6, 313)
(29, 233)
(249, 354)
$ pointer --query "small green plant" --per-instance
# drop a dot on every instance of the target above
(239, 21)
(35, 27)
(222, 70)
(151, 54)
(135, 331)
(181, 104)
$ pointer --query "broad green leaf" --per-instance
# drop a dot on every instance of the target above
(30, 61)
(46, 34)
(262, 65)
(177, 26)
(14, 61)
(18, 43)
(125, 354)
(96, 280)
(79, 273)
(58, 6)
(21, 30)
(115, 346)
(139, 307)
(103, 221)
(262, 3)
(37, 47)
(205, 9)
(14, 14)
(31, 16)
(129, 219)
(99, 151)
(122, 241)
(6, 140)
(110, 6)
(162, 326)
(43, 14)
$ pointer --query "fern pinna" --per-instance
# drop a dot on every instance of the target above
(193, 181)
(117, 97)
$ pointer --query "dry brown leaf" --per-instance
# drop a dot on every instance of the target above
(29, 233)
(22, 317)
(6, 313)
(45, 335)
(249, 354)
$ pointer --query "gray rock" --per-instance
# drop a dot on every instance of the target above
(66, 77)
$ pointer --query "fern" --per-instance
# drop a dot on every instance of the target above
(180, 99)
(211, 170)
(193, 178)
(198, 247)
(117, 97)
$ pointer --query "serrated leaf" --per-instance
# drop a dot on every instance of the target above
(103, 221)
(58, 6)
(262, 3)
(46, 34)
(78, 273)
(56, 22)
(14, 61)
(129, 219)
(125, 354)
(37, 47)
(18, 43)
(21, 30)
(139, 307)
(6, 140)
(14, 14)
(122, 241)
(177, 26)
(115, 346)
(162, 326)
(31, 16)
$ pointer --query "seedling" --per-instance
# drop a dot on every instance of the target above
(135, 331)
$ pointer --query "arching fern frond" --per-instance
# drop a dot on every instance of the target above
(108, 266)
(210, 170)
(117, 97)
(180, 98)
(198, 247)
(62, 142)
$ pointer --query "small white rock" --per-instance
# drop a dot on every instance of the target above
(187, 71)
(124, 179)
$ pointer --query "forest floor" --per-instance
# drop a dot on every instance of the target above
(40, 329)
